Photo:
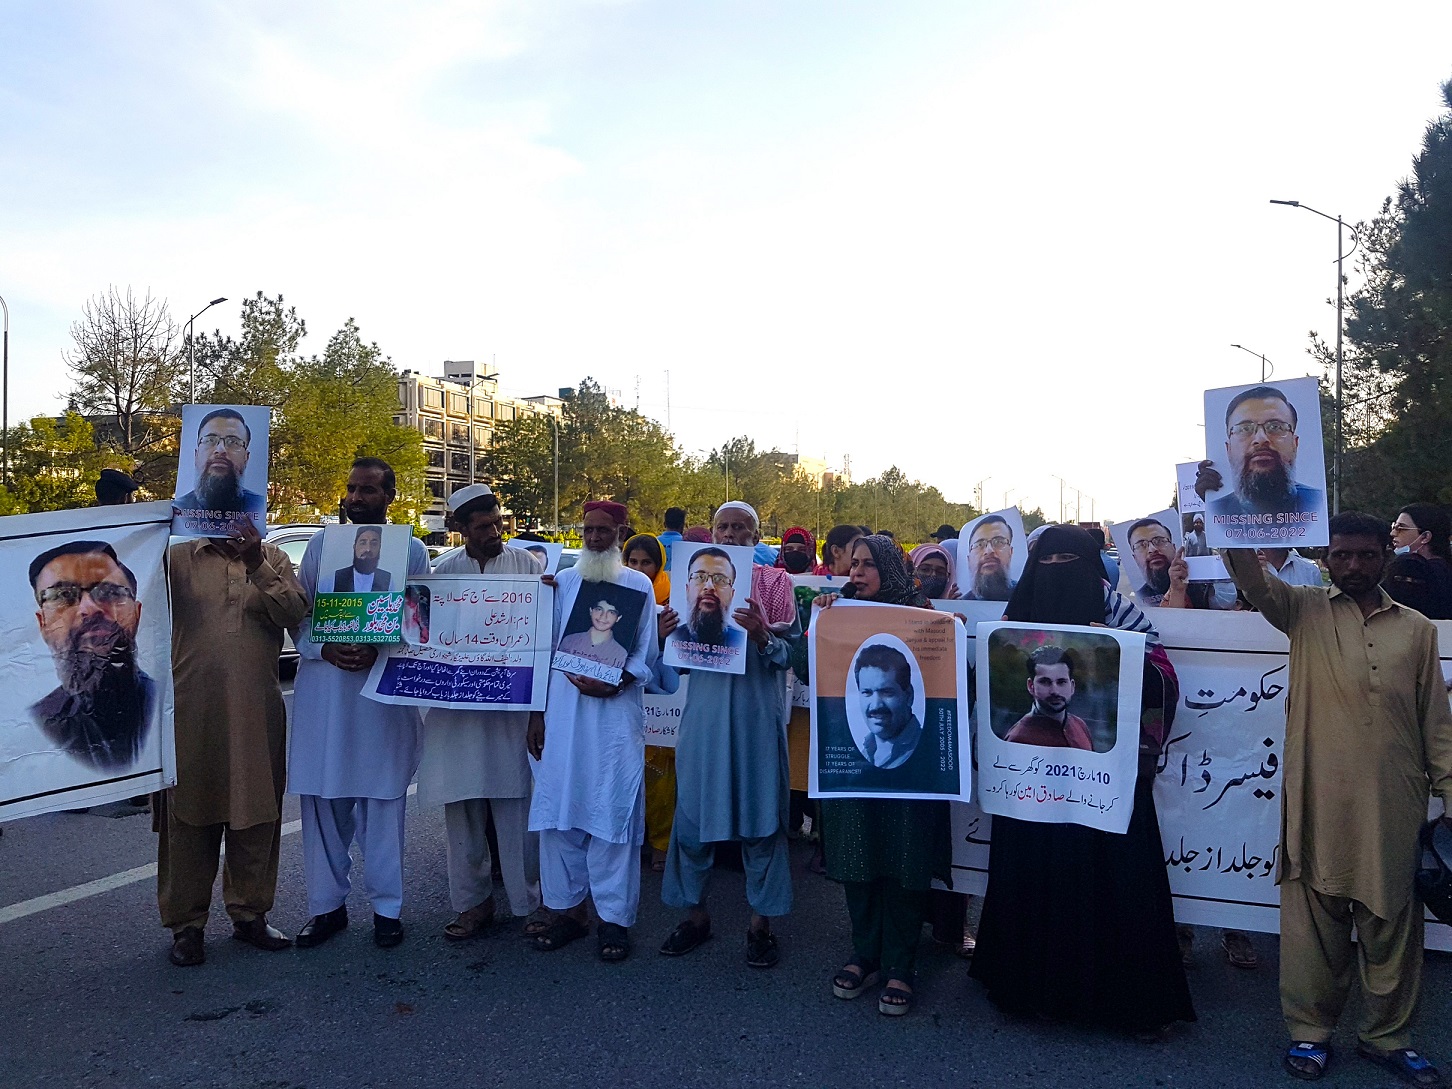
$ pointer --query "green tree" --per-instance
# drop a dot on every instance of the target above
(256, 368)
(53, 465)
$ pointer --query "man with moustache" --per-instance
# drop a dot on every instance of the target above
(351, 758)
(710, 590)
(1260, 448)
(1049, 724)
(732, 781)
(364, 575)
(1153, 548)
(990, 551)
(101, 713)
(221, 454)
(885, 688)
(476, 763)
(589, 751)
(1368, 738)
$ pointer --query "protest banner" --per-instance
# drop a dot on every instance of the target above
(663, 712)
(1189, 499)
(1264, 441)
(360, 584)
(471, 642)
(599, 631)
(991, 556)
(1218, 786)
(87, 658)
(546, 552)
(889, 703)
(708, 584)
(1058, 737)
(1147, 546)
(221, 470)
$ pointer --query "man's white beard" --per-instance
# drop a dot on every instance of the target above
(599, 566)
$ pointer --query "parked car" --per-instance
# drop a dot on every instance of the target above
(568, 556)
(293, 539)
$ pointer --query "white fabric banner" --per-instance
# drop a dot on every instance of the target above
(1219, 787)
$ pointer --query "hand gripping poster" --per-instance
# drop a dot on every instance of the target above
(222, 470)
(1058, 732)
(360, 584)
(1265, 486)
(470, 642)
(708, 584)
(86, 663)
(889, 703)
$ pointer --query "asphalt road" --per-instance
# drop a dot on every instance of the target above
(89, 998)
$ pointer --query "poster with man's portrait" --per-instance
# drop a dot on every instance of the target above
(1264, 446)
(545, 553)
(889, 703)
(87, 658)
(1147, 547)
(991, 556)
(709, 583)
(222, 469)
(361, 572)
(600, 630)
(1058, 723)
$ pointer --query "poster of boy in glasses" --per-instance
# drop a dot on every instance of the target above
(991, 554)
(709, 585)
(224, 464)
(1268, 488)
(1152, 545)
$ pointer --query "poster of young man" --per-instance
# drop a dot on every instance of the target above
(708, 584)
(889, 704)
(1058, 734)
(471, 642)
(222, 469)
(360, 584)
(991, 555)
(86, 659)
(1265, 486)
(600, 631)
(1150, 544)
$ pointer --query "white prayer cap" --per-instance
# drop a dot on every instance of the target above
(468, 495)
(737, 504)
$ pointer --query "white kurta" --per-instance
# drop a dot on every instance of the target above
(340, 744)
(592, 775)
(476, 754)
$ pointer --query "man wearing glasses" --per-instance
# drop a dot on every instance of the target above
(990, 552)
(1260, 448)
(88, 615)
(710, 589)
(221, 459)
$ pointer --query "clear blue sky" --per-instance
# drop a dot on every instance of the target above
(977, 240)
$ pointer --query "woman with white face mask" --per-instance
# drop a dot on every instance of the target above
(1420, 575)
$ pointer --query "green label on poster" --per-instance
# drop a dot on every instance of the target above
(358, 618)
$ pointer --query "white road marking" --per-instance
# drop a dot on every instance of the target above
(101, 885)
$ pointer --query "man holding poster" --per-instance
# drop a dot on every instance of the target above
(476, 763)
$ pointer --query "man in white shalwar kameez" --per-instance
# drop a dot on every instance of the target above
(475, 762)
(589, 779)
(350, 759)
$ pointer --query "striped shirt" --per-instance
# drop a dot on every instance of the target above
(1121, 613)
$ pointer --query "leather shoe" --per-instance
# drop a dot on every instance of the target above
(387, 932)
(257, 932)
(322, 927)
(187, 949)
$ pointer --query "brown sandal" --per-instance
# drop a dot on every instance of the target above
(471, 923)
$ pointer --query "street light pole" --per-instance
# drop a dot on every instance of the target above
(1340, 302)
(5, 397)
(1263, 364)
(191, 359)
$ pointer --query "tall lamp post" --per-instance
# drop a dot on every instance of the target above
(1264, 373)
(5, 397)
(191, 359)
(1340, 259)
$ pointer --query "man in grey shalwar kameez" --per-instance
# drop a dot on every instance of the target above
(732, 781)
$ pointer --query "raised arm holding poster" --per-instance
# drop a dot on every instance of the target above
(1266, 485)
(471, 642)
(1058, 736)
(991, 556)
(889, 704)
(360, 584)
(87, 658)
(222, 470)
(708, 583)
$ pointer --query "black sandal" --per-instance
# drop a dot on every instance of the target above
(613, 941)
(563, 929)
(684, 938)
(849, 985)
(896, 999)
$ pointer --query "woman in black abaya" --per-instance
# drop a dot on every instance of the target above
(1078, 924)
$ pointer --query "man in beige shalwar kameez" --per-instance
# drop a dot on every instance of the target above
(231, 598)
(1368, 734)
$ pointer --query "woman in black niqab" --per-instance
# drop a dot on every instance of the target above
(1063, 581)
